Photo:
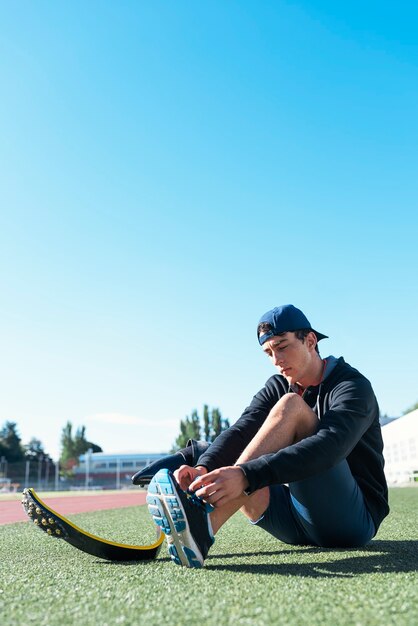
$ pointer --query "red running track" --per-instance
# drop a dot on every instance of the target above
(11, 511)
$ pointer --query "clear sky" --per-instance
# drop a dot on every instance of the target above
(171, 170)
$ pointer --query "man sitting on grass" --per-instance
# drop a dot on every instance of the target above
(304, 461)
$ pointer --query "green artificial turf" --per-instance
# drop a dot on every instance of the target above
(249, 577)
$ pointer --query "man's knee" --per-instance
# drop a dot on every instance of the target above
(293, 408)
(290, 402)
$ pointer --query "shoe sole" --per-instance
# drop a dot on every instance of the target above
(168, 513)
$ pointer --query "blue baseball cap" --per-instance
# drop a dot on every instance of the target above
(285, 319)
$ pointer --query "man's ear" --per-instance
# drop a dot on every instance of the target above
(311, 340)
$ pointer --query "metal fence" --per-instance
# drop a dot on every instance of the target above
(47, 475)
(41, 474)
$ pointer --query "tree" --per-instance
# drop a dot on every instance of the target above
(206, 422)
(218, 423)
(213, 425)
(68, 455)
(34, 451)
(2, 449)
(81, 444)
(73, 446)
(10, 443)
(189, 429)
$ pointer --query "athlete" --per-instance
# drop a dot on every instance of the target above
(304, 461)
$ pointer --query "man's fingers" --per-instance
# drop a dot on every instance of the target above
(206, 491)
(203, 480)
(184, 476)
(198, 483)
(220, 486)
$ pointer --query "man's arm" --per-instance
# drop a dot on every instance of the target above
(351, 411)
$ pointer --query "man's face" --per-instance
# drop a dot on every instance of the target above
(291, 357)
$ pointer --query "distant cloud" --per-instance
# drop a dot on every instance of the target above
(116, 418)
(128, 420)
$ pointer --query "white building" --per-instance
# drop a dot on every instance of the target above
(400, 439)
(100, 469)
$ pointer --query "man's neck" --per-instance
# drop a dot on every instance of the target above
(315, 375)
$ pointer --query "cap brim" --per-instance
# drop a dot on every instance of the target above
(319, 336)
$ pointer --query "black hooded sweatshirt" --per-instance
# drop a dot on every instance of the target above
(348, 428)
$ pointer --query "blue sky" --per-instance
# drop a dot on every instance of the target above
(171, 170)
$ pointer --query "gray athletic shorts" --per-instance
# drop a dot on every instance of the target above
(326, 510)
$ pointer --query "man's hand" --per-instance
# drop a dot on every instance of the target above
(220, 486)
(186, 475)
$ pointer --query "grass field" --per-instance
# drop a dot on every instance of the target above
(250, 578)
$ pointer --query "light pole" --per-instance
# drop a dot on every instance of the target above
(47, 472)
(40, 459)
(3, 467)
(118, 473)
(87, 458)
(27, 467)
(57, 473)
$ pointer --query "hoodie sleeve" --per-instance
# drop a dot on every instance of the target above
(351, 410)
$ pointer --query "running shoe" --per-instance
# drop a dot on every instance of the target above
(183, 517)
